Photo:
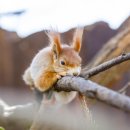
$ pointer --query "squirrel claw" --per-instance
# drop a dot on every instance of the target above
(58, 76)
(62, 73)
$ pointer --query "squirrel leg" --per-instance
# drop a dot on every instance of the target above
(46, 81)
(44, 87)
(46, 97)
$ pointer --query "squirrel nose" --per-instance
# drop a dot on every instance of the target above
(75, 74)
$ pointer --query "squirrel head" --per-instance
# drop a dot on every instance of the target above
(66, 58)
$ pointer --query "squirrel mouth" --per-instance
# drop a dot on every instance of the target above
(74, 71)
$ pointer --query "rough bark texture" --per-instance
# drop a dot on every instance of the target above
(94, 90)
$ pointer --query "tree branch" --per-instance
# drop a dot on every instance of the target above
(123, 90)
(93, 90)
(104, 66)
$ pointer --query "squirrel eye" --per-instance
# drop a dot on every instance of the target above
(62, 63)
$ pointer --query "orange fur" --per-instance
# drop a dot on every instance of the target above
(55, 41)
(77, 40)
(69, 56)
(46, 80)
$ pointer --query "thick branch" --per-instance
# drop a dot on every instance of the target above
(94, 90)
(106, 65)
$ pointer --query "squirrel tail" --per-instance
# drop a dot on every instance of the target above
(27, 77)
(86, 111)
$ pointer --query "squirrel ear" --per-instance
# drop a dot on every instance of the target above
(55, 43)
(77, 39)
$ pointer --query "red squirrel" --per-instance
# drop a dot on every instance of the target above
(53, 62)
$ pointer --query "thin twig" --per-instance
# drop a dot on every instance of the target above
(124, 89)
(104, 66)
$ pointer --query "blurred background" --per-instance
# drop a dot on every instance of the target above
(22, 34)
(32, 16)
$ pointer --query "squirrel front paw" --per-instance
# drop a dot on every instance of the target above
(58, 76)
(46, 81)
(62, 74)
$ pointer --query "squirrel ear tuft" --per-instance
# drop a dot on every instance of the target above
(55, 42)
(77, 39)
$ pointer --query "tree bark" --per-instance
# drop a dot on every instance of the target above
(93, 90)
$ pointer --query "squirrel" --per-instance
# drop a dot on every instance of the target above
(53, 62)
(50, 64)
